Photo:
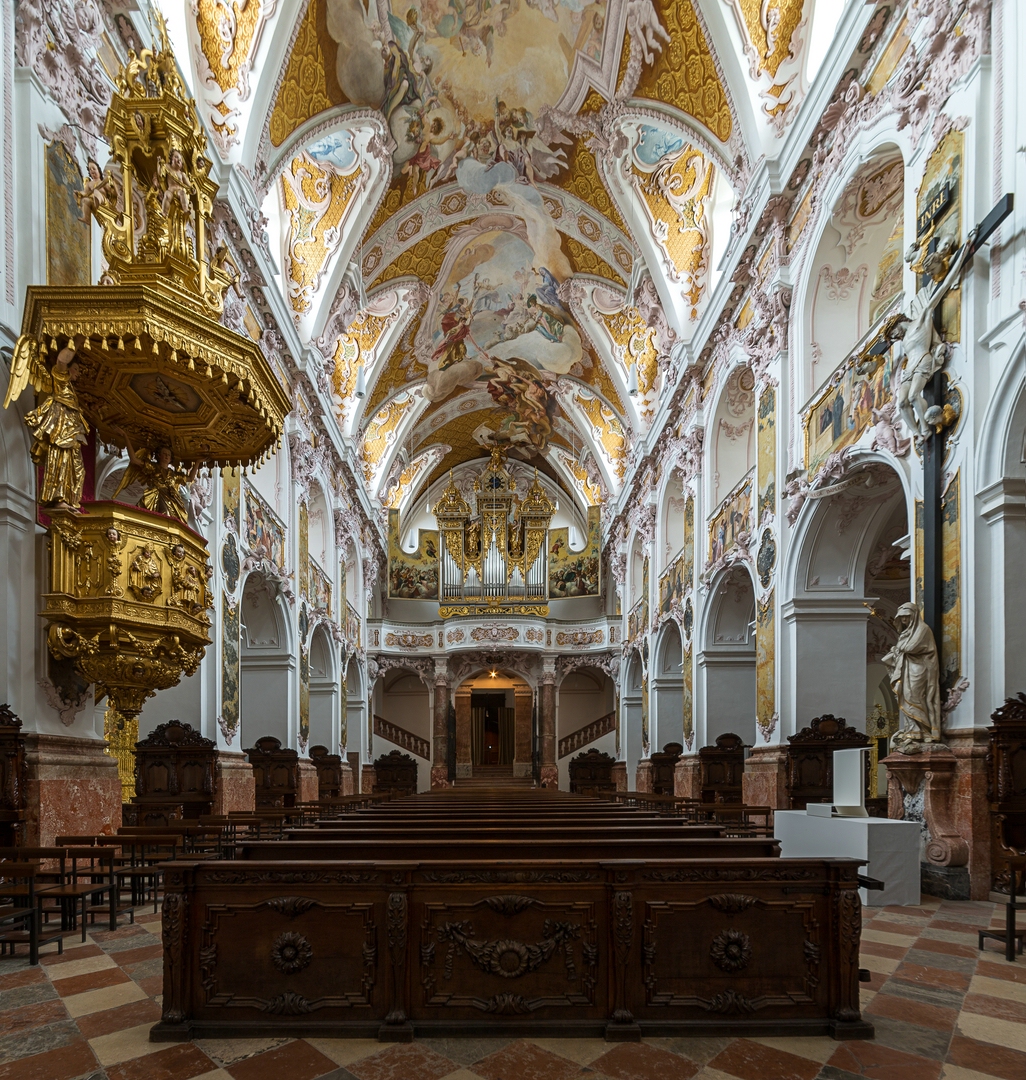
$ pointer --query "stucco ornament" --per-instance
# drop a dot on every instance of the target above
(915, 679)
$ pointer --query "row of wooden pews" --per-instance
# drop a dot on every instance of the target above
(509, 913)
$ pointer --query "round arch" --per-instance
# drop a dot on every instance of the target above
(826, 623)
(726, 658)
(829, 234)
(632, 713)
(401, 702)
(998, 641)
(267, 665)
(324, 690)
(585, 718)
(496, 729)
(666, 720)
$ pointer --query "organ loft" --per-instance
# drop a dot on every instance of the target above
(514, 519)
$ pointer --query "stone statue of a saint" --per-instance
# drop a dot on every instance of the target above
(915, 679)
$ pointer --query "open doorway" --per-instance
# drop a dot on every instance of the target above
(492, 728)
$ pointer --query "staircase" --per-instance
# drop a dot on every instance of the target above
(493, 776)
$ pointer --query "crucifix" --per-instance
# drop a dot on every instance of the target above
(922, 353)
(922, 390)
(920, 350)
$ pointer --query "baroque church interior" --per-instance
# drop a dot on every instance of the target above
(515, 527)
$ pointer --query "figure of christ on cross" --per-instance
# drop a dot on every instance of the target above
(917, 349)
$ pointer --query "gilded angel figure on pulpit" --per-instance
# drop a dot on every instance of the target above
(57, 424)
(162, 481)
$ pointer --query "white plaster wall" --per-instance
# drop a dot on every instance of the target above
(729, 695)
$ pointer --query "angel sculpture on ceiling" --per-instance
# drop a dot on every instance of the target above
(162, 481)
(57, 425)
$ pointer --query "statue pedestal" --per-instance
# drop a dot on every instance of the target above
(643, 777)
(687, 780)
(619, 775)
(921, 787)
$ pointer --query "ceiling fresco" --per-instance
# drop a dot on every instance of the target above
(473, 197)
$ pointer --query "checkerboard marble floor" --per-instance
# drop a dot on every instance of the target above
(942, 1011)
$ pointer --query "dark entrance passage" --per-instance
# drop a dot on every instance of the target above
(491, 730)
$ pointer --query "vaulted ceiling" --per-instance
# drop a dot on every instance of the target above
(486, 212)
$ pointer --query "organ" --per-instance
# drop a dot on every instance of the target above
(495, 559)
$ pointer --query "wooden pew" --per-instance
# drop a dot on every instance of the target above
(507, 947)
(513, 848)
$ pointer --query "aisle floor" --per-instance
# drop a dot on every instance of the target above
(941, 1010)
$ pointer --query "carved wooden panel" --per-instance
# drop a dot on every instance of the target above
(1006, 786)
(508, 954)
(174, 774)
(731, 954)
(693, 946)
(276, 770)
(312, 954)
(329, 772)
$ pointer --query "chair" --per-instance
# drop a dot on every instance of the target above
(1016, 867)
(1012, 855)
(810, 759)
(19, 906)
(141, 855)
(88, 877)
(721, 768)
(395, 772)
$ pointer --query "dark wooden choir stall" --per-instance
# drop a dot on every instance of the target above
(395, 772)
(276, 769)
(809, 776)
(174, 775)
(329, 772)
(13, 779)
(721, 768)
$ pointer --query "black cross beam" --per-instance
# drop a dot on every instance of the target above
(933, 455)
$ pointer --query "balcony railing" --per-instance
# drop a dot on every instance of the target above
(401, 737)
(587, 734)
